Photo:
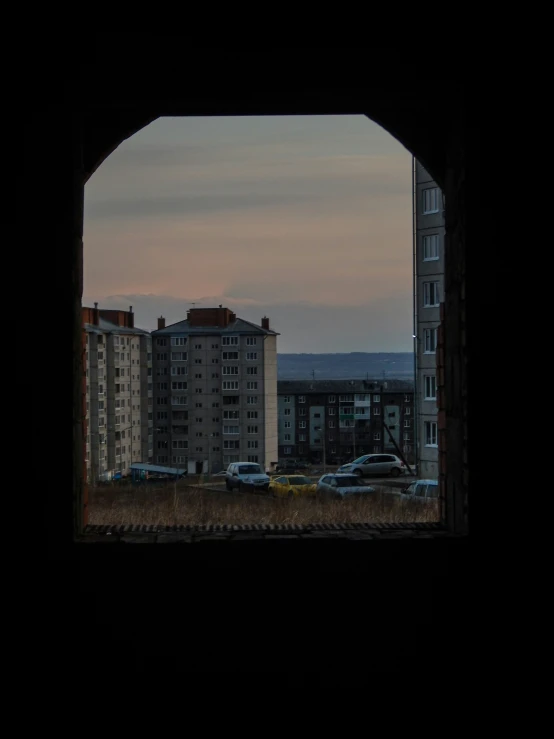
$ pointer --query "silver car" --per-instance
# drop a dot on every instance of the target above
(342, 486)
(421, 490)
(375, 464)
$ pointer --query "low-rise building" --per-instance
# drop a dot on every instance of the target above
(337, 420)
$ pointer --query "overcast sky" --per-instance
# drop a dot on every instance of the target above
(307, 220)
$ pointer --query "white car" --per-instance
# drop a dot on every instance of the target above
(421, 490)
(246, 476)
(342, 486)
(375, 464)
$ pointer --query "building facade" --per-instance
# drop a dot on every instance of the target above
(334, 421)
(119, 418)
(215, 391)
(429, 232)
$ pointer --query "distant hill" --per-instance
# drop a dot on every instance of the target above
(356, 365)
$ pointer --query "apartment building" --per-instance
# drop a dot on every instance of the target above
(429, 233)
(337, 420)
(119, 414)
(215, 391)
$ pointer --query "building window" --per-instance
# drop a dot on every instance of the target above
(161, 356)
(301, 411)
(287, 411)
(176, 385)
(251, 341)
(252, 457)
(178, 371)
(251, 356)
(430, 387)
(160, 416)
(215, 405)
(251, 370)
(230, 341)
(252, 400)
(430, 247)
(431, 294)
(230, 356)
(162, 458)
(430, 340)
(287, 424)
(215, 346)
(198, 346)
(331, 424)
(287, 450)
(251, 385)
(230, 370)
(159, 401)
(231, 444)
(253, 443)
(251, 414)
(407, 423)
(430, 433)
(332, 398)
(406, 436)
(301, 437)
(199, 448)
(178, 341)
(197, 361)
(230, 429)
(377, 436)
(198, 405)
(179, 400)
(431, 200)
(230, 384)
(332, 411)
(198, 376)
(302, 424)
(179, 356)
(252, 429)
(159, 342)
(407, 411)
(376, 398)
(287, 398)
(198, 391)
(229, 415)
(301, 398)
(180, 444)
(159, 385)
(215, 360)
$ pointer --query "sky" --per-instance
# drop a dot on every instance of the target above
(304, 219)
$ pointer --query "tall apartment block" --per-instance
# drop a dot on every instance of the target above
(339, 420)
(119, 414)
(215, 391)
(429, 231)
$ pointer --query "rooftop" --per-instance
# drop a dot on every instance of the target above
(107, 327)
(239, 326)
(342, 387)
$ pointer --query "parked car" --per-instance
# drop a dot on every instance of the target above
(375, 464)
(292, 486)
(245, 476)
(421, 490)
(340, 486)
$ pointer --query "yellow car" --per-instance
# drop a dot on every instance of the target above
(291, 486)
